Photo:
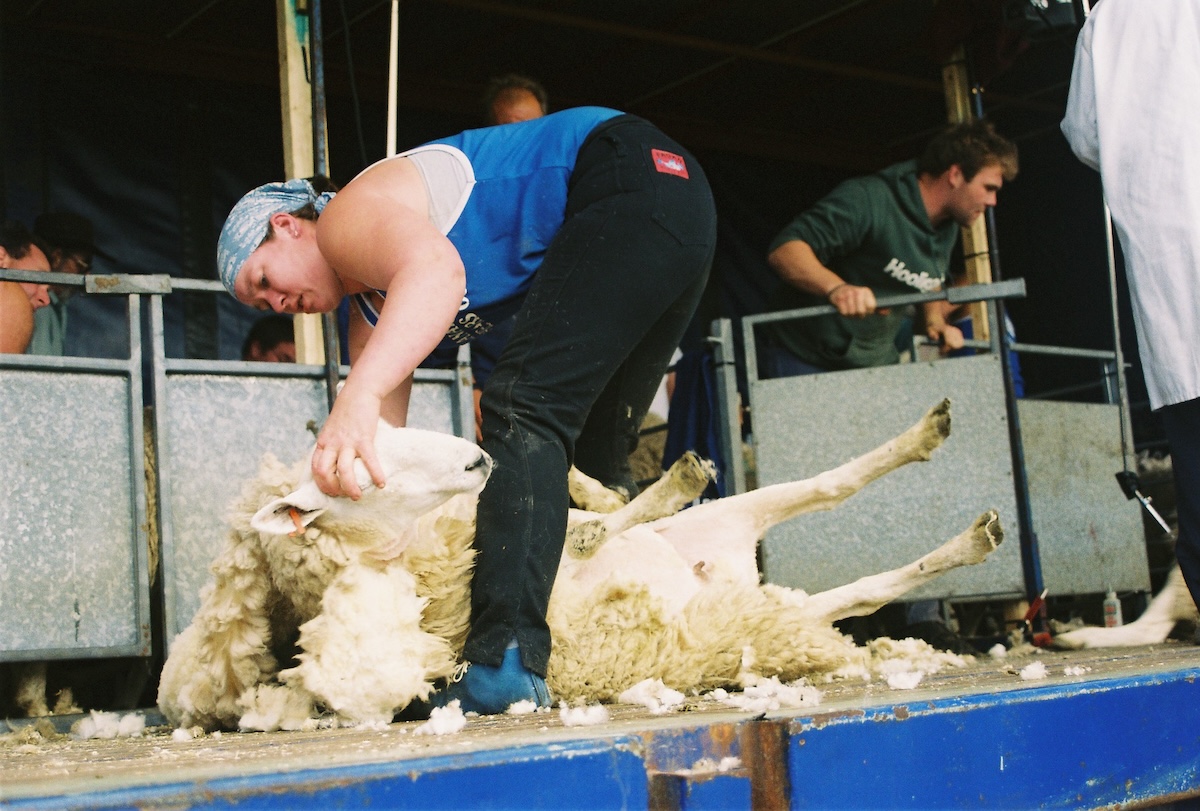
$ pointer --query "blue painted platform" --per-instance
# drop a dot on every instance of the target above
(1103, 729)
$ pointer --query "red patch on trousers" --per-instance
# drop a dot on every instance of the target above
(669, 163)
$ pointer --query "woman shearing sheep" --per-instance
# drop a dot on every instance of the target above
(594, 228)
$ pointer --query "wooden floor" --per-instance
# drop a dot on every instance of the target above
(37, 771)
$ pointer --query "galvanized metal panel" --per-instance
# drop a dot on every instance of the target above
(213, 432)
(812, 423)
(73, 581)
(1089, 535)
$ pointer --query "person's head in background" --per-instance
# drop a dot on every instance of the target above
(511, 98)
(272, 339)
(19, 300)
(70, 241)
(19, 249)
(969, 162)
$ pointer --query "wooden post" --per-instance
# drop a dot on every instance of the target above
(295, 90)
(974, 237)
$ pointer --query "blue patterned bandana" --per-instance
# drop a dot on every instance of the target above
(247, 224)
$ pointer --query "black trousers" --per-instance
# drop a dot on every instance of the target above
(1182, 424)
(606, 310)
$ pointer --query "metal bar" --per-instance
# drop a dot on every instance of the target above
(40, 277)
(317, 46)
(333, 356)
(750, 352)
(463, 394)
(98, 283)
(1031, 562)
(991, 291)
(91, 652)
(329, 327)
(126, 283)
(729, 429)
(298, 370)
(765, 753)
(248, 368)
(1122, 389)
(65, 363)
(210, 285)
(1013, 288)
(162, 445)
(137, 477)
(1063, 351)
(968, 343)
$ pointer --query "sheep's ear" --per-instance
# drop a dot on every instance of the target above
(285, 516)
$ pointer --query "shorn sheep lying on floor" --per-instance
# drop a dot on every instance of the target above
(375, 593)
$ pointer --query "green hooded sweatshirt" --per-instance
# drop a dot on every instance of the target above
(872, 231)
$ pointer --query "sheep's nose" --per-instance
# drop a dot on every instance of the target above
(480, 461)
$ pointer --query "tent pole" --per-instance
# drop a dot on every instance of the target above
(329, 330)
(393, 78)
(964, 101)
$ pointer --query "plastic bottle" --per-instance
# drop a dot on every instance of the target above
(1112, 610)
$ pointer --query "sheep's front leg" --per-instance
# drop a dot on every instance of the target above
(683, 483)
(1171, 605)
(226, 648)
(365, 656)
(868, 594)
(589, 494)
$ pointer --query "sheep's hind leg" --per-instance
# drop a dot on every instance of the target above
(742, 520)
(683, 483)
(226, 648)
(868, 594)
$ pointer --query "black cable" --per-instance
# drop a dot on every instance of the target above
(362, 144)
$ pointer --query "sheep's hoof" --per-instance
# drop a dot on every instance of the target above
(584, 539)
(928, 434)
(693, 473)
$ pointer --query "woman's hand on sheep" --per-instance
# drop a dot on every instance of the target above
(348, 434)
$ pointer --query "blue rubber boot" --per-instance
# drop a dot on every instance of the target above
(490, 690)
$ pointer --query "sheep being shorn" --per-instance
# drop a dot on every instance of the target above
(378, 589)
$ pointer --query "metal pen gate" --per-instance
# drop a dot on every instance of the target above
(81, 525)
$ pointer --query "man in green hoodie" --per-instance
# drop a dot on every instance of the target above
(884, 234)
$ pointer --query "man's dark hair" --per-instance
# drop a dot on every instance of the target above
(16, 239)
(972, 145)
(499, 85)
(268, 332)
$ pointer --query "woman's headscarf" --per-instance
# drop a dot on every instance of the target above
(247, 224)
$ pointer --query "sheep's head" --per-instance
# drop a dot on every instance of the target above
(423, 469)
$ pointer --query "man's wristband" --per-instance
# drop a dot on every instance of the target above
(834, 289)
